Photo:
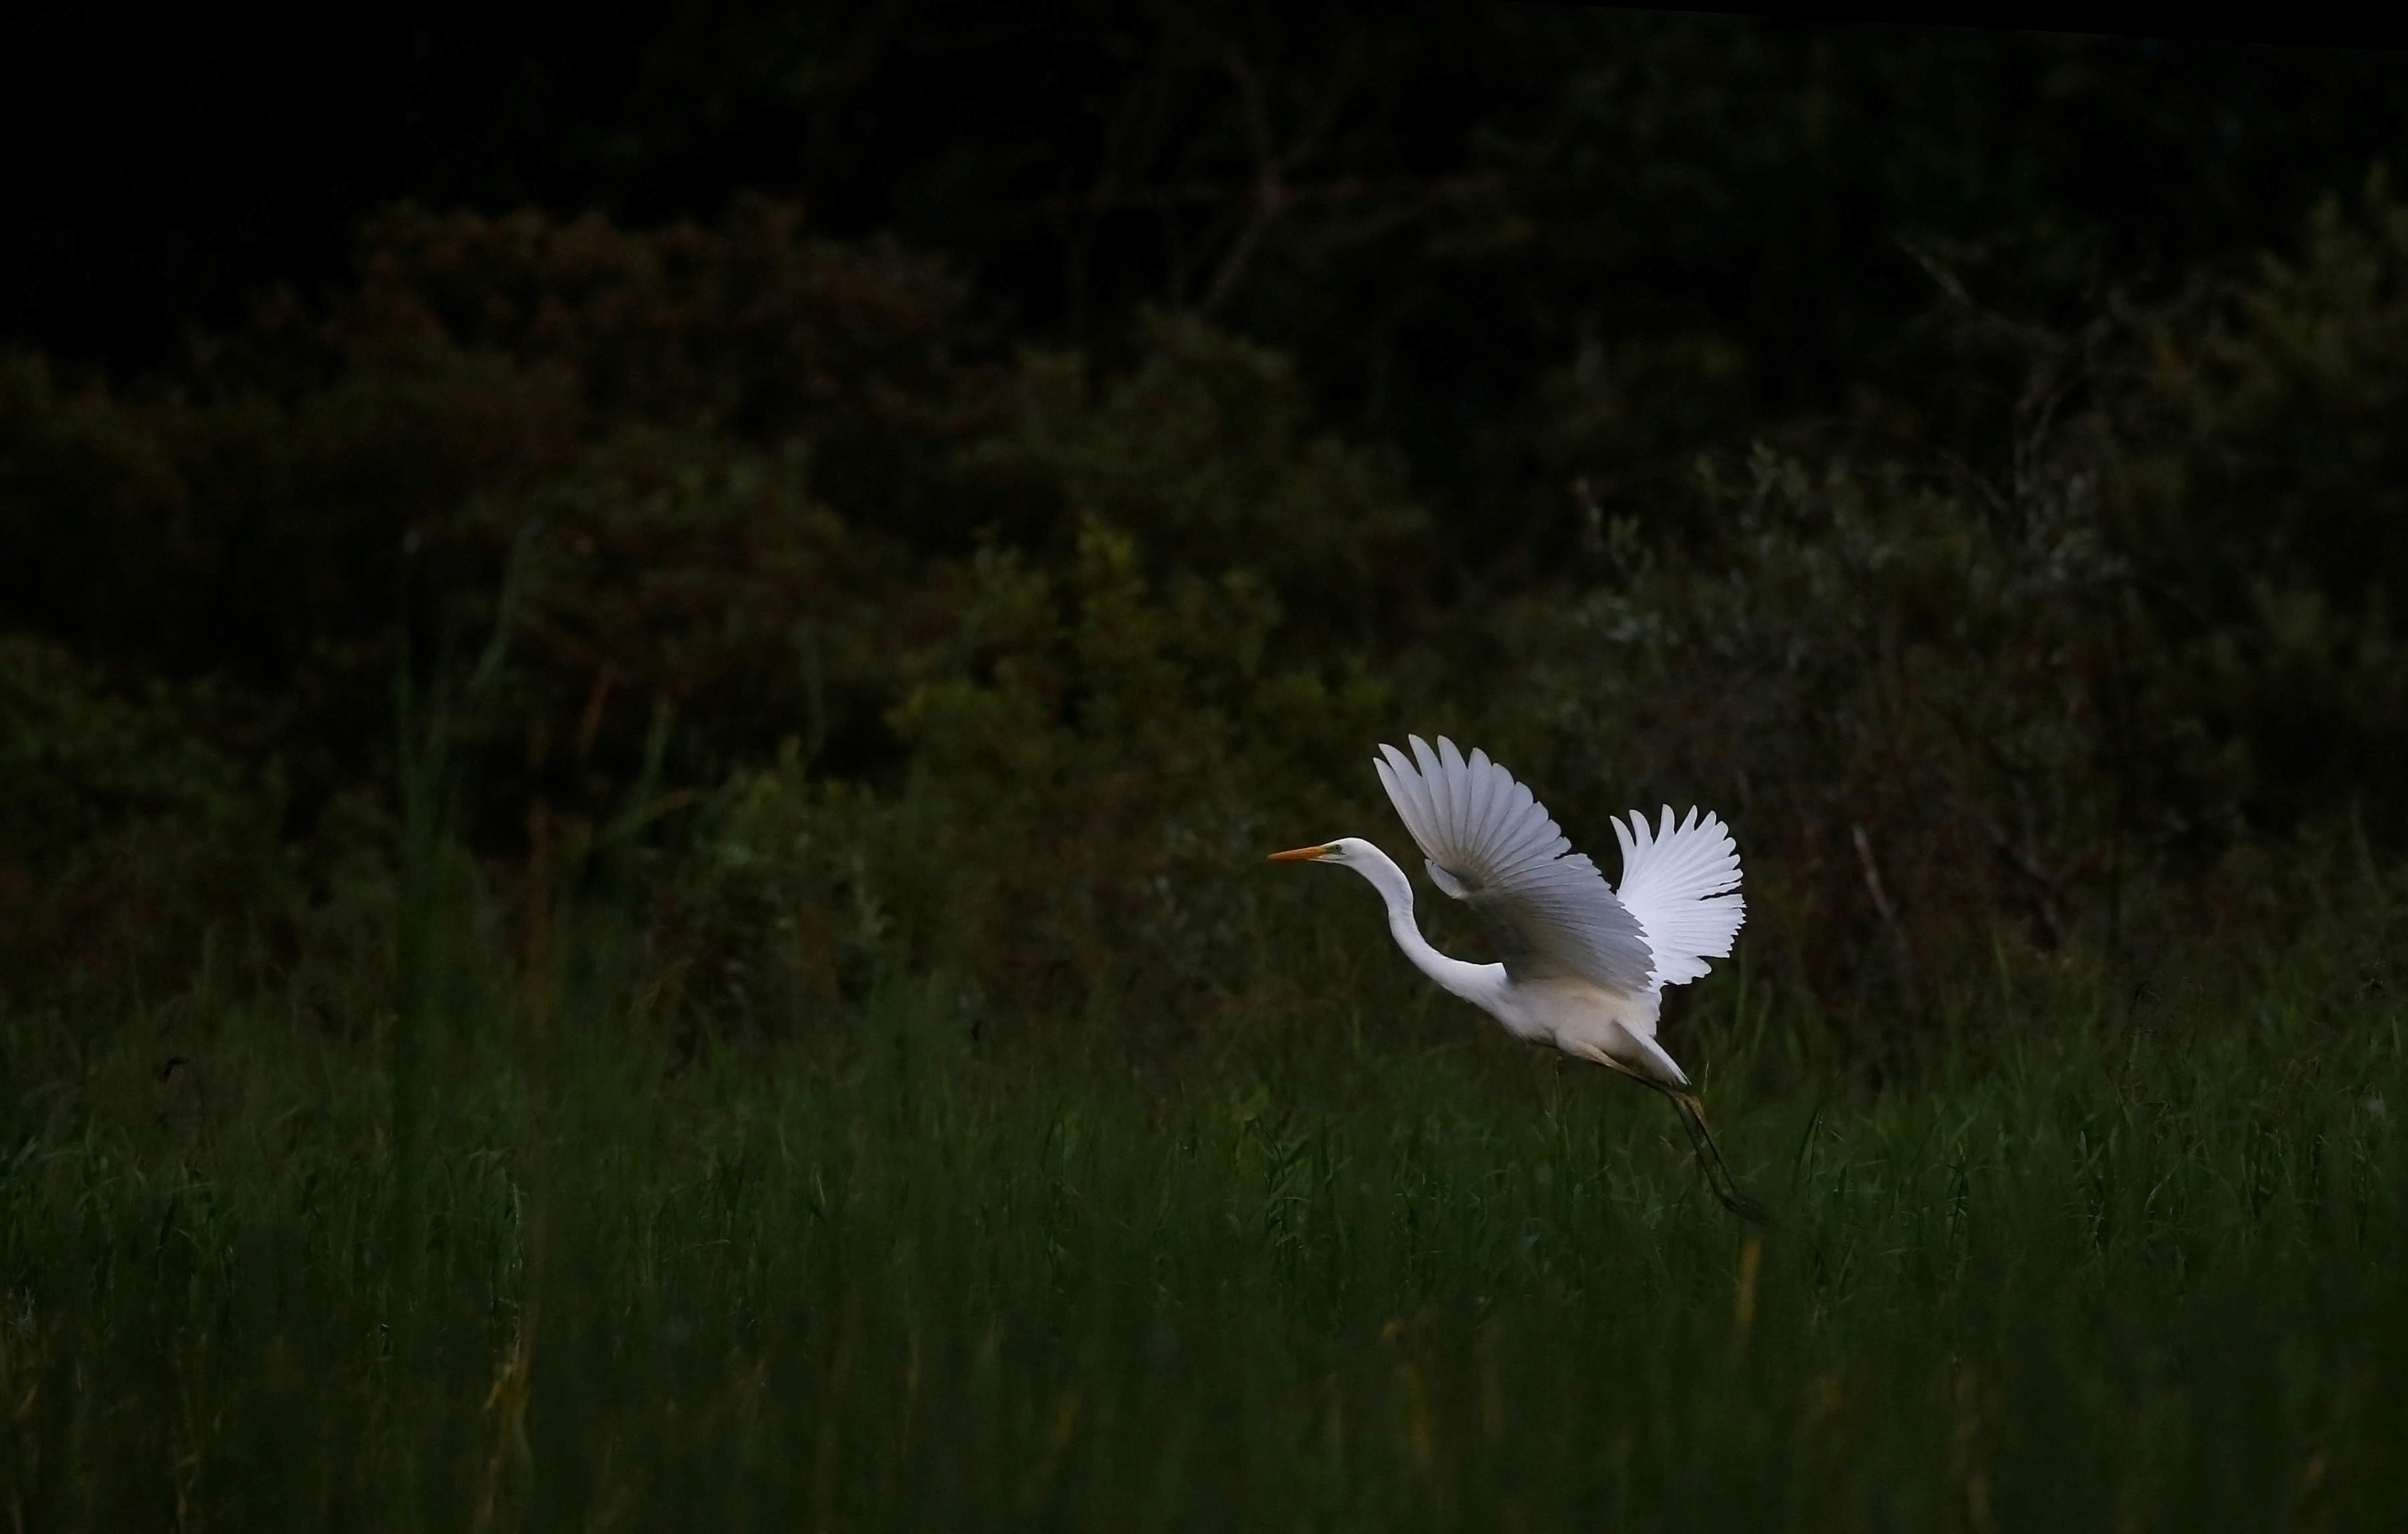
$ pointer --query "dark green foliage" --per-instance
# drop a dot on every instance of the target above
(1036, 654)
(2269, 524)
(127, 839)
(1364, 1273)
(794, 1025)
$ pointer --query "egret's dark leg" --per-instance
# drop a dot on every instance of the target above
(1709, 1156)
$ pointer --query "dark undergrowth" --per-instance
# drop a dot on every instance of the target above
(2101, 1262)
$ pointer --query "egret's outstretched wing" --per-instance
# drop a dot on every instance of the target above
(1682, 882)
(1492, 845)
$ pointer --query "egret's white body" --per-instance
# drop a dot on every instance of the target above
(1586, 963)
(1577, 1015)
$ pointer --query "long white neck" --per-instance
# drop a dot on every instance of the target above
(1474, 983)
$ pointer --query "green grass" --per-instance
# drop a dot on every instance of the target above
(1344, 1276)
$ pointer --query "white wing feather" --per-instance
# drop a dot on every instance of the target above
(1683, 884)
(1491, 844)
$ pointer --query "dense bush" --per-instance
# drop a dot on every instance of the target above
(127, 833)
(902, 653)
(2265, 521)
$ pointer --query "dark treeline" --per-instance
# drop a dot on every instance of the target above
(945, 491)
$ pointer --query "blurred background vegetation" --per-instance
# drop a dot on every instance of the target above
(644, 672)
(904, 491)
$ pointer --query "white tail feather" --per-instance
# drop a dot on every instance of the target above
(1683, 884)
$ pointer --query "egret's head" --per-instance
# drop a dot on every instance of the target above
(1344, 850)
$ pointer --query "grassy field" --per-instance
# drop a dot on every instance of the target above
(2127, 1267)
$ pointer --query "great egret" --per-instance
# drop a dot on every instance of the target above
(1585, 964)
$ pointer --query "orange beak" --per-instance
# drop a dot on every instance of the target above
(1300, 855)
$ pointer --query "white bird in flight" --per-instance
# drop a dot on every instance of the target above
(1584, 964)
